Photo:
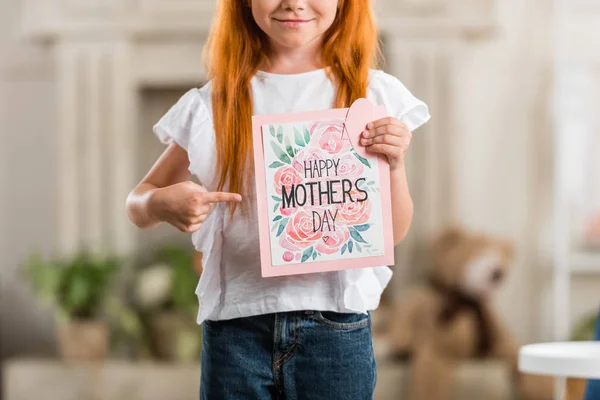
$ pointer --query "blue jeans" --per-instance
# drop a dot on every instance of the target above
(292, 356)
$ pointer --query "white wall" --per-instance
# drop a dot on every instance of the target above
(27, 177)
(496, 171)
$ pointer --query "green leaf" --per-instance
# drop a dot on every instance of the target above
(350, 244)
(272, 130)
(361, 159)
(280, 134)
(280, 154)
(276, 164)
(275, 225)
(362, 228)
(306, 136)
(307, 253)
(282, 225)
(356, 236)
(276, 198)
(298, 138)
(314, 256)
(344, 247)
(371, 183)
(288, 146)
(358, 248)
(276, 207)
(277, 218)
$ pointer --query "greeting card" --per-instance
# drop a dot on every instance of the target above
(323, 200)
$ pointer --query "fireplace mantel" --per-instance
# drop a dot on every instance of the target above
(104, 51)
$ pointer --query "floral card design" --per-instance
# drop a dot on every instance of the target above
(323, 196)
(323, 201)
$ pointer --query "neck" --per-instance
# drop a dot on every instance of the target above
(285, 60)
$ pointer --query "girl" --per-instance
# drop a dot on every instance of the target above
(297, 337)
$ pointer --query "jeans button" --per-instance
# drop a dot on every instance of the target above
(309, 312)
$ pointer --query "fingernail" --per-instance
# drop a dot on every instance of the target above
(370, 125)
(366, 133)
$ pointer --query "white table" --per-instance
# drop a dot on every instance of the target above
(561, 359)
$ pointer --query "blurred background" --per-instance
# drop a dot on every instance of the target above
(511, 151)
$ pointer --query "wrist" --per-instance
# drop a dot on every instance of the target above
(398, 167)
(154, 205)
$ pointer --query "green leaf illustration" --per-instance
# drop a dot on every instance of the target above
(314, 256)
(280, 134)
(358, 248)
(282, 225)
(277, 218)
(298, 138)
(276, 164)
(356, 236)
(272, 130)
(275, 225)
(350, 244)
(288, 147)
(307, 253)
(280, 153)
(276, 198)
(344, 247)
(362, 228)
(361, 159)
(276, 207)
(306, 136)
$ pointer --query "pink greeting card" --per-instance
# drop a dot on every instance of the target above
(323, 201)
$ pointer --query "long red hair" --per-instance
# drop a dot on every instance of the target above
(237, 48)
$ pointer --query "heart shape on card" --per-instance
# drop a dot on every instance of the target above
(360, 113)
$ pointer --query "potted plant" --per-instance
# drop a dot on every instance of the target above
(77, 287)
(164, 294)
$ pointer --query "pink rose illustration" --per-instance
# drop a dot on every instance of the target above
(286, 176)
(349, 167)
(329, 136)
(299, 232)
(354, 212)
(332, 241)
(287, 211)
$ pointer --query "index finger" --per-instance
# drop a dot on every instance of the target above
(219, 197)
(381, 122)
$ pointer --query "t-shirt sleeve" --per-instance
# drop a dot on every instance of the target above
(181, 120)
(399, 101)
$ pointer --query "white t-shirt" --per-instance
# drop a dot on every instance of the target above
(231, 285)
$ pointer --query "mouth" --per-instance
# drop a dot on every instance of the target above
(293, 23)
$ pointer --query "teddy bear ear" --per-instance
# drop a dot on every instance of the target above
(448, 238)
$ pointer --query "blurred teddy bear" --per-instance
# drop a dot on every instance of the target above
(450, 318)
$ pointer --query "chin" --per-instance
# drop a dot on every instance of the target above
(295, 41)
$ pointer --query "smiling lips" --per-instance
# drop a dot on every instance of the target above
(292, 23)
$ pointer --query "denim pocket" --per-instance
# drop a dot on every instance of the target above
(342, 321)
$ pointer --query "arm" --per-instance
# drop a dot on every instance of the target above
(166, 194)
(391, 137)
(171, 168)
(402, 205)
